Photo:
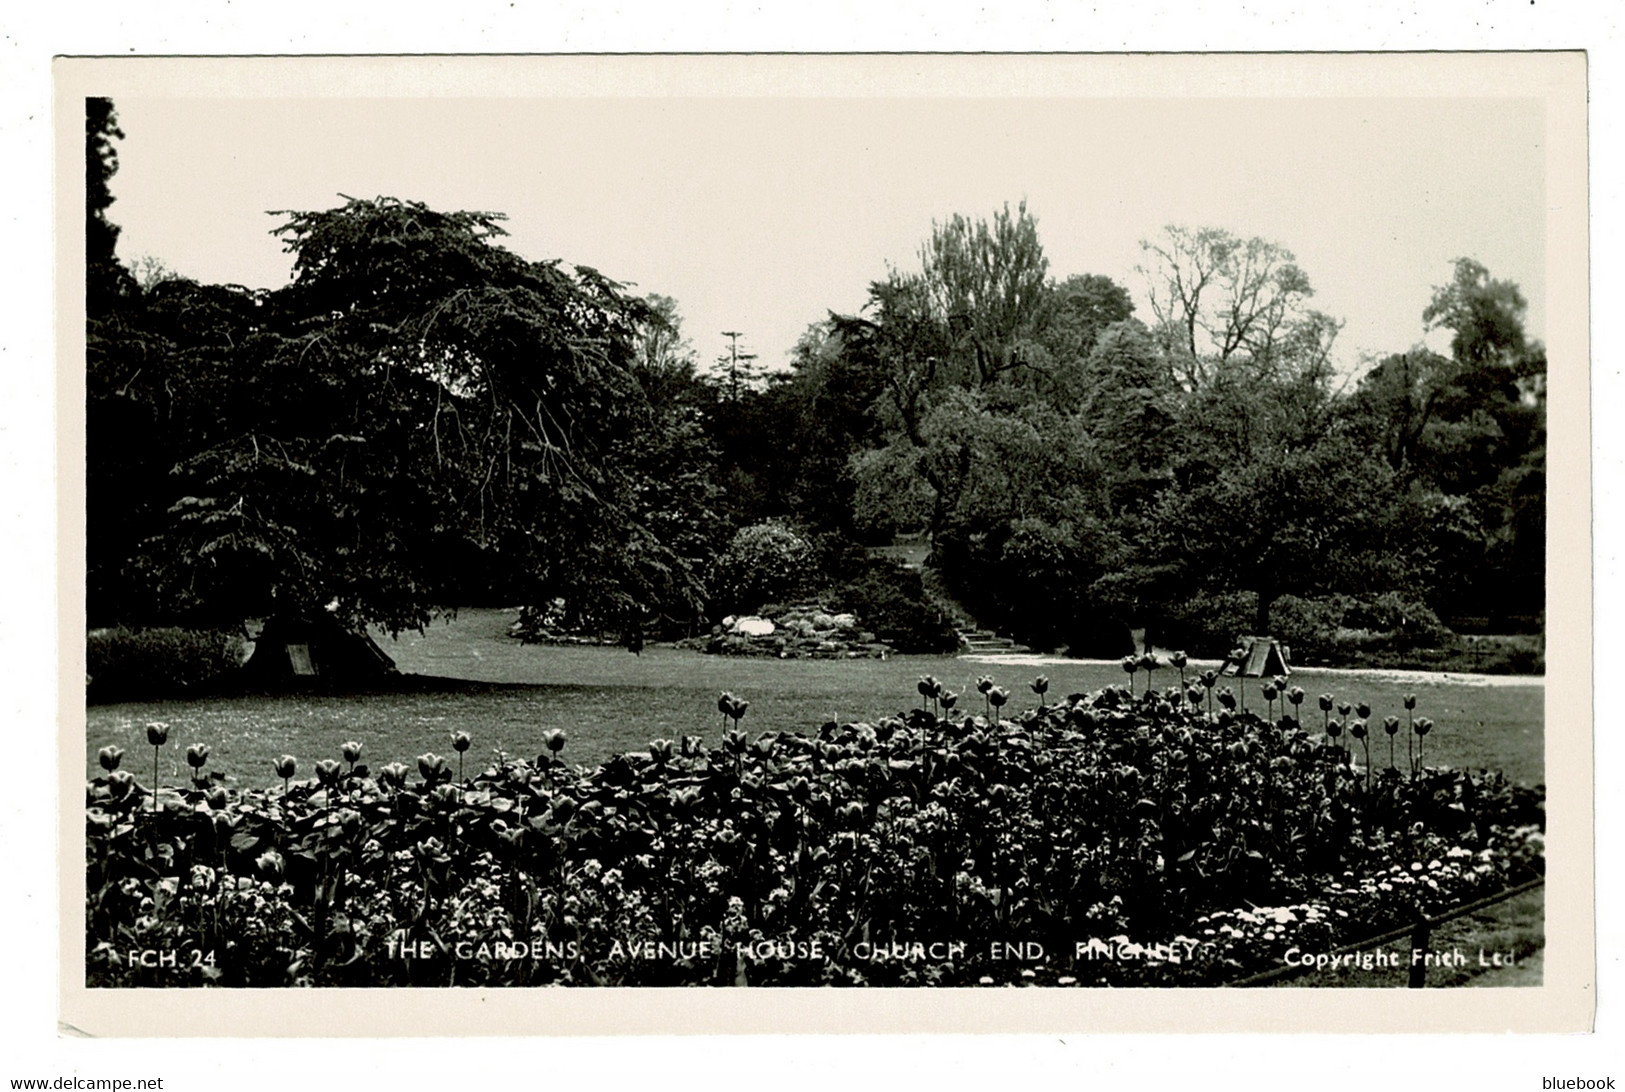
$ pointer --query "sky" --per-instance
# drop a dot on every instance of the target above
(760, 214)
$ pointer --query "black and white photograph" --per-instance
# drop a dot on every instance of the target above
(953, 524)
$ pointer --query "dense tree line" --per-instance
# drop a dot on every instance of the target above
(1079, 468)
(422, 418)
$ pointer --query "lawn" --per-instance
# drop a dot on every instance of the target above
(608, 701)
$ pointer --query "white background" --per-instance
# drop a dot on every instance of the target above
(29, 1043)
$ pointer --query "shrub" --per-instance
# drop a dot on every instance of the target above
(890, 600)
(1206, 624)
(763, 563)
(124, 664)
(1034, 581)
(839, 558)
(1410, 623)
(1309, 627)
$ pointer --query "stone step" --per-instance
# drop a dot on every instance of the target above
(974, 639)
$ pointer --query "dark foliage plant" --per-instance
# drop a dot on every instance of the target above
(890, 599)
(131, 664)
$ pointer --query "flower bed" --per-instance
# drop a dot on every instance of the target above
(1106, 840)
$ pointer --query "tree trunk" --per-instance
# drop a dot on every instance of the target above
(1261, 620)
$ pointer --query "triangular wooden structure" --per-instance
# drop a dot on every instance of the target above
(313, 649)
(1260, 657)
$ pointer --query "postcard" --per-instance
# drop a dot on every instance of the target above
(907, 542)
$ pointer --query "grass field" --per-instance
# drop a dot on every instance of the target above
(609, 701)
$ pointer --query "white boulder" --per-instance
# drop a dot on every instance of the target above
(752, 626)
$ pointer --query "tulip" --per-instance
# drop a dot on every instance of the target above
(929, 688)
(554, 739)
(1209, 679)
(218, 799)
(431, 849)
(1227, 698)
(351, 752)
(1130, 666)
(1180, 660)
(949, 699)
(1326, 705)
(725, 703)
(1410, 728)
(1390, 725)
(270, 864)
(285, 767)
(460, 742)
(1334, 732)
(120, 783)
(393, 775)
(327, 771)
(1363, 711)
(1040, 687)
(157, 735)
(109, 757)
(1295, 696)
(196, 755)
(1422, 728)
(997, 697)
(1358, 731)
(431, 766)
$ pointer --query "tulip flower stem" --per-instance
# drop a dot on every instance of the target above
(155, 780)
